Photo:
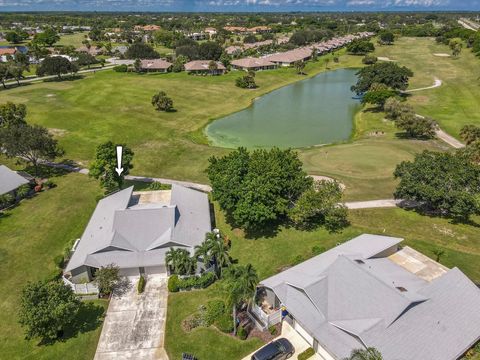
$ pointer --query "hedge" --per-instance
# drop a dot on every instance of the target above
(141, 284)
(307, 354)
(225, 323)
(193, 282)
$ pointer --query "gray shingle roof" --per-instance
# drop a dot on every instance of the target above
(139, 235)
(10, 180)
(347, 304)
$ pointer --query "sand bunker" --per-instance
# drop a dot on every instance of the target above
(384, 58)
(442, 55)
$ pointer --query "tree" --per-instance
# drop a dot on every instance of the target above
(246, 82)
(107, 278)
(249, 39)
(225, 59)
(15, 70)
(212, 66)
(470, 134)
(394, 108)
(320, 205)
(4, 74)
(30, 142)
(46, 308)
(179, 63)
(86, 59)
(210, 50)
(365, 354)
(386, 37)
(180, 262)
(416, 126)
(214, 248)
(105, 163)
(16, 37)
(239, 285)
(12, 114)
(314, 54)
(141, 51)
(162, 102)
(191, 52)
(137, 65)
(456, 46)
(56, 65)
(378, 97)
(369, 59)
(445, 183)
(360, 47)
(257, 189)
(438, 254)
(46, 38)
(387, 73)
(299, 67)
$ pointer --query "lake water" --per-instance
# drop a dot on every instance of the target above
(315, 111)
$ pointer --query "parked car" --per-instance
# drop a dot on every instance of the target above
(280, 349)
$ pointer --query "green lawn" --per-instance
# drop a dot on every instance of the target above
(31, 235)
(457, 101)
(74, 39)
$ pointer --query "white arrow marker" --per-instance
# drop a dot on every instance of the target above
(119, 168)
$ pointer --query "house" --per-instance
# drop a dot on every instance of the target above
(202, 67)
(260, 29)
(288, 58)
(147, 28)
(210, 31)
(11, 180)
(6, 52)
(234, 50)
(254, 64)
(92, 50)
(157, 65)
(370, 292)
(135, 230)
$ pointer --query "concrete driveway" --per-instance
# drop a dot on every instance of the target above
(134, 325)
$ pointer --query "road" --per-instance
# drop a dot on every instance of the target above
(36, 78)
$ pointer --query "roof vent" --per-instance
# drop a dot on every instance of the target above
(358, 261)
(401, 289)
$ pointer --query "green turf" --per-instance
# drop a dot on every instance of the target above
(32, 234)
(74, 39)
(457, 101)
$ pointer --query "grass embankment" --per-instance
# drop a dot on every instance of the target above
(31, 235)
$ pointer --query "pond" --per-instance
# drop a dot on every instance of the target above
(315, 111)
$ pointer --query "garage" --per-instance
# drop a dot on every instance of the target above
(308, 338)
(129, 271)
(156, 270)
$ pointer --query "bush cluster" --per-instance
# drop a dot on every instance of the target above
(203, 281)
(141, 284)
(120, 68)
(242, 333)
(213, 311)
(224, 323)
(307, 354)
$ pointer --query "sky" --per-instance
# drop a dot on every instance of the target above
(238, 5)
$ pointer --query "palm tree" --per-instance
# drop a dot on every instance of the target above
(180, 261)
(239, 285)
(219, 252)
(367, 354)
(202, 253)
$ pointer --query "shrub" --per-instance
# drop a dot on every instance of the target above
(120, 68)
(161, 102)
(272, 330)
(214, 310)
(317, 250)
(307, 354)
(194, 282)
(246, 82)
(242, 333)
(159, 186)
(59, 261)
(49, 184)
(141, 284)
(206, 279)
(369, 59)
(6, 200)
(23, 191)
(224, 323)
(192, 322)
(173, 283)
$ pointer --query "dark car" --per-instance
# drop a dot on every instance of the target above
(277, 350)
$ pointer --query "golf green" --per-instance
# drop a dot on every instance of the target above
(315, 111)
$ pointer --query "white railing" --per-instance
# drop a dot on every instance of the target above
(267, 319)
(81, 289)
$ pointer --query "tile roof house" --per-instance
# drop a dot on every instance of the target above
(11, 180)
(368, 292)
(288, 58)
(135, 234)
(157, 65)
(5, 52)
(203, 67)
(251, 63)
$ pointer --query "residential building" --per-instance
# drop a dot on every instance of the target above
(202, 67)
(11, 180)
(155, 65)
(254, 64)
(371, 292)
(92, 50)
(288, 58)
(210, 31)
(147, 28)
(6, 52)
(135, 230)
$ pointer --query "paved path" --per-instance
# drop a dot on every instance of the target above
(134, 326)
(468, 24)
(442, 135)
(436, 84)
(371, 204)
(31, 79)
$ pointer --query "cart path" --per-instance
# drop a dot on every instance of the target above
(436, 84)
